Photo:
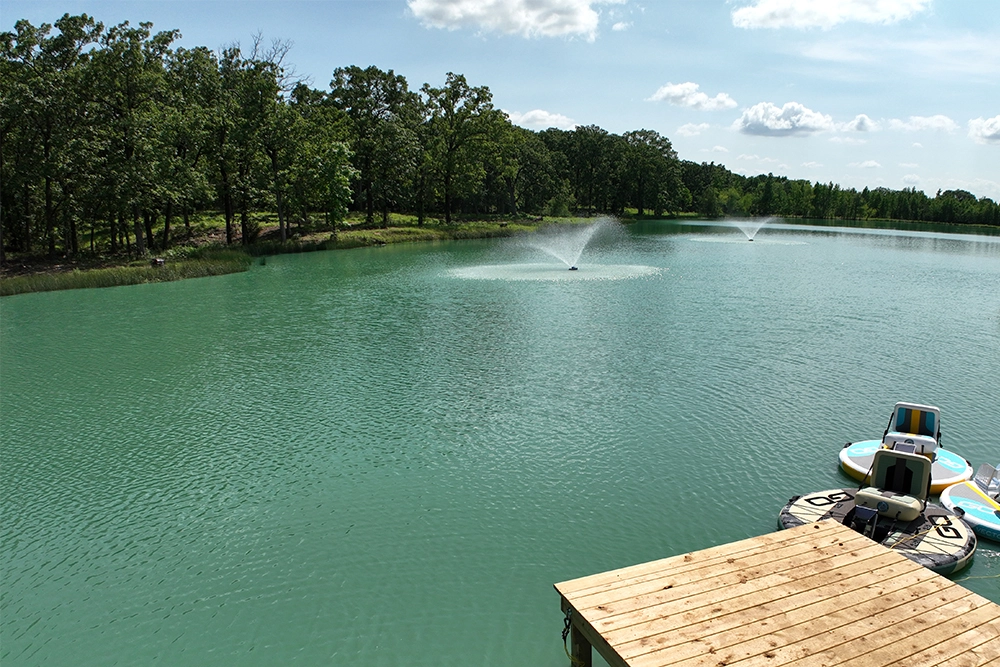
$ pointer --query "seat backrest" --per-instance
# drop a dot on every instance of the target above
(915, 419)
(988, 479)
(899, 472)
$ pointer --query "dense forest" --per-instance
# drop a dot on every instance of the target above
(109, 134)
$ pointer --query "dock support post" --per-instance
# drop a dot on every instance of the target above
(580, 649)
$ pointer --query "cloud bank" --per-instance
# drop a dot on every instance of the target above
(985, 130)
(824, 13)
(921, 123)
(862, 123)
(792, 119)
(692, 129)
(537, 119)
(688, 95)
(528, 18)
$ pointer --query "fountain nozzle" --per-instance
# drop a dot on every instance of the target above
(573, 268)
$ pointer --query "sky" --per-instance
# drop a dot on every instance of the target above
(890, 93)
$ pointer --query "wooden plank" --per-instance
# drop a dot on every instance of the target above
(681, 624)
(666, 604)
(871, 642)
(575, 586)
(781, 645)
(719, 564)
(937, 628)
(976, 646)
(767, 619)
(812, 596)
(580, 648)
(722, 572)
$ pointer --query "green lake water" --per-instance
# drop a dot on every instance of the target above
(388, 456)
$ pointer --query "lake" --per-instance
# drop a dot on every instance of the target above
(387, 456)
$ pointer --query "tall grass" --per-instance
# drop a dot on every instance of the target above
(201, 263)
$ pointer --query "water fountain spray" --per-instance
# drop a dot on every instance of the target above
(566, 245)
(751, 226)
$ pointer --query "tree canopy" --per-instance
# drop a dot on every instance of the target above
(106, 131)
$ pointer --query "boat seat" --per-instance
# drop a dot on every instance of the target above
(899, 485)
(915, 421)
(913, 424)
(988, 479)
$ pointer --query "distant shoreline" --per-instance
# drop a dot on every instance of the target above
(201, 256)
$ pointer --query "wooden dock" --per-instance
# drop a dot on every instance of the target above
(816, 595)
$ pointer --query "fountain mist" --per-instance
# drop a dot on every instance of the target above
(751, 226)
(564, 244)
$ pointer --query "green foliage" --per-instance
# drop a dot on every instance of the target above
(113, 136)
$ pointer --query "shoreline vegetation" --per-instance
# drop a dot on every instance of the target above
(119, 149)
(203, 254)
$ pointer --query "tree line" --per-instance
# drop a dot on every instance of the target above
(108, 134)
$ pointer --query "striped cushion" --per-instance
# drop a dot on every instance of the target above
(919, 422)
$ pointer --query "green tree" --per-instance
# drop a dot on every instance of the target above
(130, 84)
(39, 119)
(384, 115)
(193, 87)
(460, 126)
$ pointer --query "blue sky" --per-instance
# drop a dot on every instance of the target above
(894, 93)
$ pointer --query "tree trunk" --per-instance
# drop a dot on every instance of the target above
(278, 197)
(147, 218)
(26, 246)
(228, 206)
(73, 241)
(244, 224)
(126, 239)
(447, 198)
(512, 199)
(420, 199)
(167, 216)
(140, 244)
(369, 196)
(50, 215)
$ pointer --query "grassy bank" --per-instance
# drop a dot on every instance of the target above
(204, 253)
(212, 263)
(200, 250)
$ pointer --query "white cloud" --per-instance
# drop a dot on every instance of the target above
(918, 145)
(985, 130)
(919, 123)
(867, 164)
(823, 13)
(982, 187)
(943, 55)
(528, 18)
(687, 95)
(812, 165)
(621, 25)
(911, 179)
(744, 156)
(791, 119)
(850, 141)
(692, 130)
(862, 123)
(719, 149)
(537, 119)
